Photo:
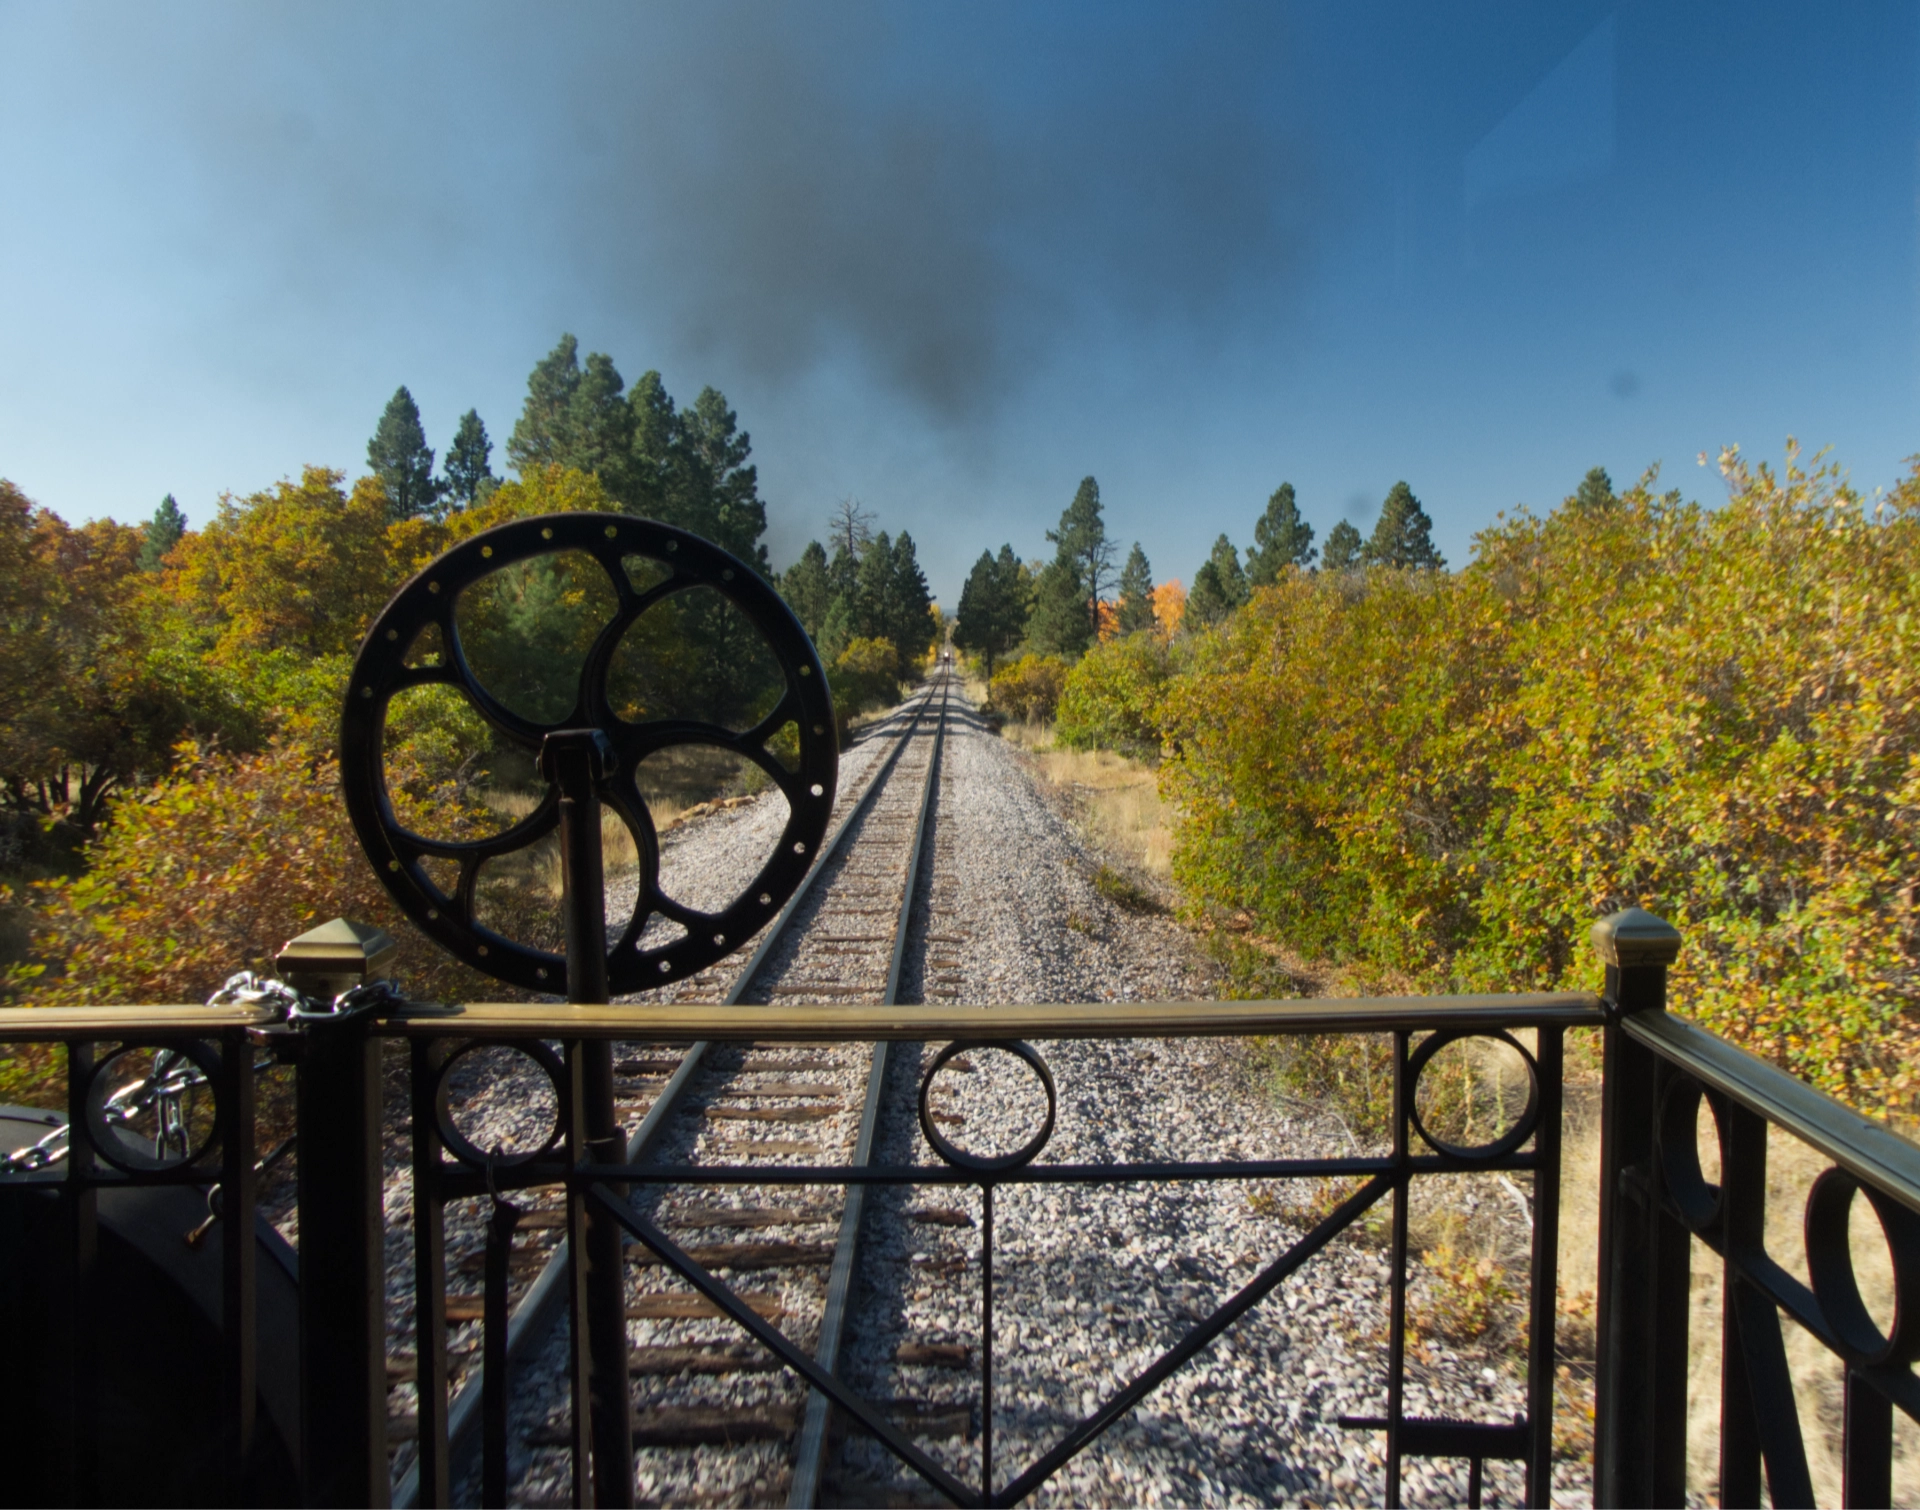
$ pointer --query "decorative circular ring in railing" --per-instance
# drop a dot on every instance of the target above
(1677, 1134)
(1830, 1270)
(463, 1147)
(677, 644)
(1474, 1153)
(127, 1089)
(959, 1157)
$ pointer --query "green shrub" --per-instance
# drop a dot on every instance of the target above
(1114, 699)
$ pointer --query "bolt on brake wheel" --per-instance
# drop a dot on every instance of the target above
(658, 639)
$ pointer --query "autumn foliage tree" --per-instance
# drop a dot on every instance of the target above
(92, 694)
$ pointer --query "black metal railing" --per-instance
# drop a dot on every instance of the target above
(1659, 1070)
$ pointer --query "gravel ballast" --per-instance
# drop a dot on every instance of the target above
(1091, 1284)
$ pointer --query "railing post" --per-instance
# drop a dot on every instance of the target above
(74, 1352)
(239, 1249)
(576, 761)
(1639, 1454)
(343, 1383)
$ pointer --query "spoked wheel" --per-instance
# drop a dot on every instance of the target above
(654, 637)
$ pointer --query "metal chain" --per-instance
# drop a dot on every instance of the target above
(174, 1076)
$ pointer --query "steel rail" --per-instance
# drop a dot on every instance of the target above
(810, 1454)
(543, 1304)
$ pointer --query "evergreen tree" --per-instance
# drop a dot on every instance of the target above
(1136, 592)
(1084, 551)
(1403, 537)
(1016, 593)
(974, 625)
(1059, 623)
(1219, 586)
(161, 533)
(540, 435)
(596, 433)
(654, 467)
(909, 605)
(1281, 538)
(466, 471)
(1345, 548)
(807, 589)
(719, 495)
(1595, 492)
(873, 584)
(399, 456)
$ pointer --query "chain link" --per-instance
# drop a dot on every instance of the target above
(174, 1076)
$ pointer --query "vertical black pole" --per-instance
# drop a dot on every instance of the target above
(1550, 1057)
(343, 1394)
(1867, 1450)
(238, 1250)
(1397, 1276)
(72, 1355)
(986, 1343)
(576, 761)
(1636, 948)
(1668, 1305)
(494, 1381)
(1743, 1198)
(429, 1277)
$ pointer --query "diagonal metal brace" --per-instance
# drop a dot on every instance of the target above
(775, 1342)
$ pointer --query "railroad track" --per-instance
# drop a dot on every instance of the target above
(843, 937)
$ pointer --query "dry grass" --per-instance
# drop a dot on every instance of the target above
(1116, 800)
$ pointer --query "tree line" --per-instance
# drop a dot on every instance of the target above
(1057, 608)
(124, 642)
(190, 679)
(1447, 775)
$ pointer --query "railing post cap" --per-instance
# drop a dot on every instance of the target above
(1635, 937)
(336, 957)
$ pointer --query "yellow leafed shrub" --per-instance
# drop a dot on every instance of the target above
(1030, 688)
(1711, 713)
(208, 873)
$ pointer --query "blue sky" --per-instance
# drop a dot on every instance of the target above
(950, 259)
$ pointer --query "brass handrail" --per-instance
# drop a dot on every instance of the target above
(1868, 1149)
(830, 1022)
(55, 1024)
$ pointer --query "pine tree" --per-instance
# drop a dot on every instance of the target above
(161, 533)
(1059, 623)
(540, 435)
(720, 496)
(1084, 550)
(1016, 593)
(466, 472)
(807, 591)
(974, 626)
(1595, 492)
(909, 608)
(1219, 586)
(1345, 549)
(1281, 538)
(653, 473)
(1404, 535)
(1136, 592)
(597, 433)
(872, 584)
(399, 456)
